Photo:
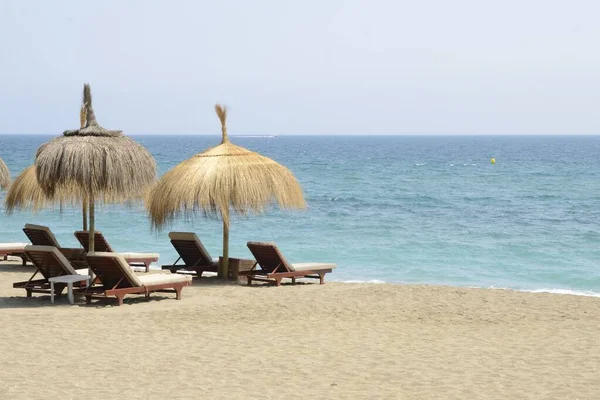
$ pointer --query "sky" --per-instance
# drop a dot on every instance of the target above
(303, 67)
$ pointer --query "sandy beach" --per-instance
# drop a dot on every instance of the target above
(304, 341)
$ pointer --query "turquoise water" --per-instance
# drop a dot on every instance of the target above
(408, 209)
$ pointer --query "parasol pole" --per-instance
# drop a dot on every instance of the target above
(91, 237)
(224, 267)
(92, 226)
(85, 217)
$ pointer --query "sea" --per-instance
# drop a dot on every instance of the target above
(388, 209)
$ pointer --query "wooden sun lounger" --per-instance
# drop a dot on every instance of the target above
(119, 280)
(13, 249)
(40, 235)
(274, 267)
(101, 245)
(193, 254)
(49, 263)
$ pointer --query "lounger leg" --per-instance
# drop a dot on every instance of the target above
(51, 292)
(277, 281)
(293, 280)
(29, 292)
(120, 300)
(249, 280)
(88, 299)
(70, 292)
(147, 264)
(24, 260)
(321, 278)
(178, 292)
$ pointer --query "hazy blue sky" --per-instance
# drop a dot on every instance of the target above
(303, 67)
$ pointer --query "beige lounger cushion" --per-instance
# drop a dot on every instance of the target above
(61, 258)
(129, 255)
(46, 229)
(141, 280)
(159, 279)
(13, 246)
(312, 266)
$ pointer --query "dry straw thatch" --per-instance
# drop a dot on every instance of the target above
(96, 160)
(26, 193)
(222, 179)
(100, 163)
(4, 175)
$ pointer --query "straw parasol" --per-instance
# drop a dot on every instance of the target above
(94, 164)
(4, 175)
(222, 179)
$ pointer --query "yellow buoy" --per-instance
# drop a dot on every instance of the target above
(493, 160)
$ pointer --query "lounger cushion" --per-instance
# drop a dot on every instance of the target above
(121, 263)
(312, 266)
(13, 246)
(159, 279)
(59, 256)
(145, 256)
(46, 229)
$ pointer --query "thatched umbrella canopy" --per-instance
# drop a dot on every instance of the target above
(26, 193)
(222, 179)
(101, 164)
(4, 175)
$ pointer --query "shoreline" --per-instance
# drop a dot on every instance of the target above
(331, 278)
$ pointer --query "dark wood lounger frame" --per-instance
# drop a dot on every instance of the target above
(16, 253)
(116, 283)
(274, 266)
(39, 237)
(49, 266)
(101, 244)
(192, 256)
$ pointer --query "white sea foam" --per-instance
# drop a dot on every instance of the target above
(587, 293)
(377, 281)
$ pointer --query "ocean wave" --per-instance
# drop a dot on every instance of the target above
(587, 293)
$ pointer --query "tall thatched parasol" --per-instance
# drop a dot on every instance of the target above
(94, 164)
(222, 179)
(4, 175)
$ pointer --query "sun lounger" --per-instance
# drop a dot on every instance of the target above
(274, 266)
(40, 235)
(193, 254)
(13, 249)
(119, 280)
(49, 263)
(101, 245)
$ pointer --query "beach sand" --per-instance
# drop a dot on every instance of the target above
(227, 341)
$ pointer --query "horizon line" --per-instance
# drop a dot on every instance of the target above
(324, 134)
